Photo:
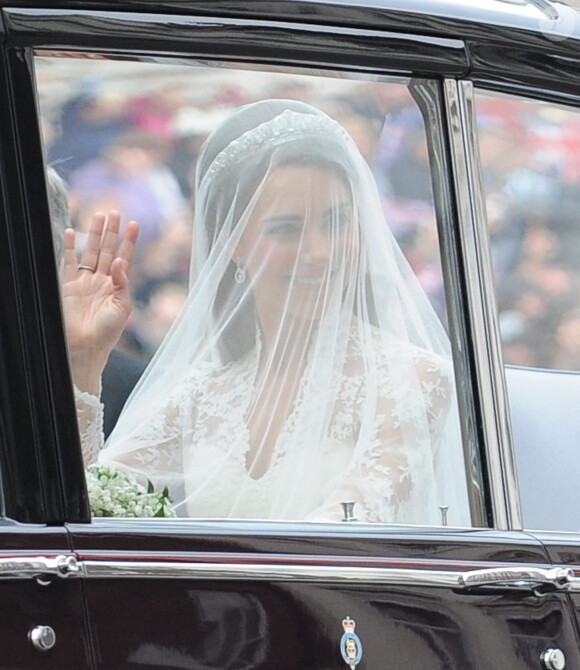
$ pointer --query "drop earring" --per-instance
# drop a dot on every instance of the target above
(240, 273)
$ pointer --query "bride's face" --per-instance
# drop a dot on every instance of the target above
(300, 243)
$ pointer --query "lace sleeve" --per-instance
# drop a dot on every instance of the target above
(153, 452)
(391, 474)
(150, 443)
(90, 421)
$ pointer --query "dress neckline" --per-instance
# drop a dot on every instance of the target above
(278, 450)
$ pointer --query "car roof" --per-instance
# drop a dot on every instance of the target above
(520, 13)
(554, 20)
(506, 43)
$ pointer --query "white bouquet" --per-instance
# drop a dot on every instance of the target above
(116, 493)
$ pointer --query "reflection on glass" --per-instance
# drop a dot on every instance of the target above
(308, 365)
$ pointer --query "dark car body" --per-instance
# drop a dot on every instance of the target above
(223, 594)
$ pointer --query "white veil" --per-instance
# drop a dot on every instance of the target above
(307, 367)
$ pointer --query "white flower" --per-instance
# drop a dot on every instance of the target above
(115, 493)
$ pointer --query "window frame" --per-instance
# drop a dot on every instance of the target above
(359, 50)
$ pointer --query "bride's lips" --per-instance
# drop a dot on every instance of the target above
(311, 280)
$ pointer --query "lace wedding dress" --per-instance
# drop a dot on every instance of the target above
(202, 430)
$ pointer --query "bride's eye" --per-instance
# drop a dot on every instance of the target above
(284, 228)
(338, 219)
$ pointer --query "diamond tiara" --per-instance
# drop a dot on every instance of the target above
(283, 128)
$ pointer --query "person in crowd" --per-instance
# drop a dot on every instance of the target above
(132, 177)
(155, 317)
(307, 367)
(122, 371)
(567, 356)
(88, 125)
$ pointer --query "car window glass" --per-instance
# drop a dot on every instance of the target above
(310, 366)
(531, 175)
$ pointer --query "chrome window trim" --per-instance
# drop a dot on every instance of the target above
(481, 305)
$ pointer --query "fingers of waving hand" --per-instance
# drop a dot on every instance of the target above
(101, 246)
(70, 256)
(127, 246)
(96, 296)
(90, 255)
(122, 261)
(97, 243)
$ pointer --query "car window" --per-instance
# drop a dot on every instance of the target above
(308, 375)
(531, 175)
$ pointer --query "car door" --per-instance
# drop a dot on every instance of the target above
(43, 618)
(531, 203)
(203, 593)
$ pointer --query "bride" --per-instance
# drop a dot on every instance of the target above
(307, 367)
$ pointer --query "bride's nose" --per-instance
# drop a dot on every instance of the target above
(315, 245)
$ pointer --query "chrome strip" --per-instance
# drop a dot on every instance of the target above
(575, 585)
(481, 307)
(324, 574)
(532, 578)
(429, 96)
(548, 579)
(527, 578)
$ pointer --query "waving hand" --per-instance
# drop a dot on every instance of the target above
(95, 293)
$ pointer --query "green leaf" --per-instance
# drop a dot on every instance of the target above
(150, 487)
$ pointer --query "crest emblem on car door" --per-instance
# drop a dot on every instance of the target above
(350, 644)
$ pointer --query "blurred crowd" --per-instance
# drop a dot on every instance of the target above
(137, 153)
(531, 173)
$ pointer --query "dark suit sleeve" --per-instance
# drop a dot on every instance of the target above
(120, 375)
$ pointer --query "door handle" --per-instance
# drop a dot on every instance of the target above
(41, 567)
(540, 580)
